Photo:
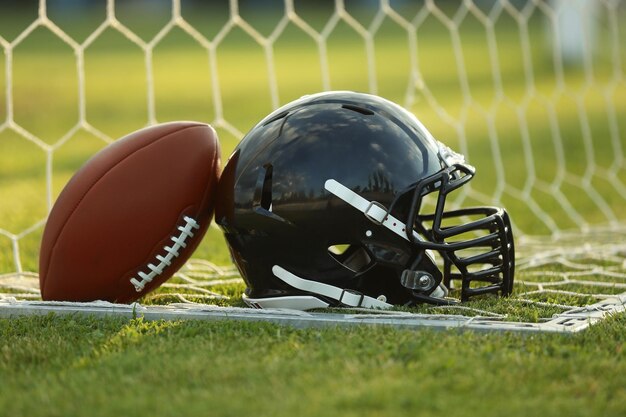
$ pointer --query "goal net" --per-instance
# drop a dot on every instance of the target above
(532, 92)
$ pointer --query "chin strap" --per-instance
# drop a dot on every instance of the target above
(373, 210)
(346, 297)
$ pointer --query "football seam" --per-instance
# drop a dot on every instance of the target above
(186, 232)
(88, 189)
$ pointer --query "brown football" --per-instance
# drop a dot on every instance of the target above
(131, 216)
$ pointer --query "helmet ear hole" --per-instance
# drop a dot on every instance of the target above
(353, 257)
(263, 191)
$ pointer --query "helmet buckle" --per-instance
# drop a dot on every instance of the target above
(353, 299)
(376, 212)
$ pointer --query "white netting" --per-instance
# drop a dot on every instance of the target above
(532, 92)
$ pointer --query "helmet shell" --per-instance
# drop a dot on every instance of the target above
(274, 208)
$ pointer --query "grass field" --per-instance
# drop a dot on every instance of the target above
(76, 366)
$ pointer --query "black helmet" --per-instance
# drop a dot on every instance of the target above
(322, 205)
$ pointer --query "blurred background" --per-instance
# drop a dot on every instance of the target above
(532, 92)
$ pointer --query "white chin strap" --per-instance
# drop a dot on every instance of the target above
(346, 297)
(371, 209)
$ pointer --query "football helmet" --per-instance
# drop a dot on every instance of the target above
(325, 203)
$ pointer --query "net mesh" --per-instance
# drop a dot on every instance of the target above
(541, 83)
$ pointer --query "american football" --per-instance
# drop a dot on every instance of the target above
(132, 215)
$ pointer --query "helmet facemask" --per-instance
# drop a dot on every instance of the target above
(475, 244)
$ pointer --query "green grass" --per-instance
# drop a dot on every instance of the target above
(66, 366)
(72, 365)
